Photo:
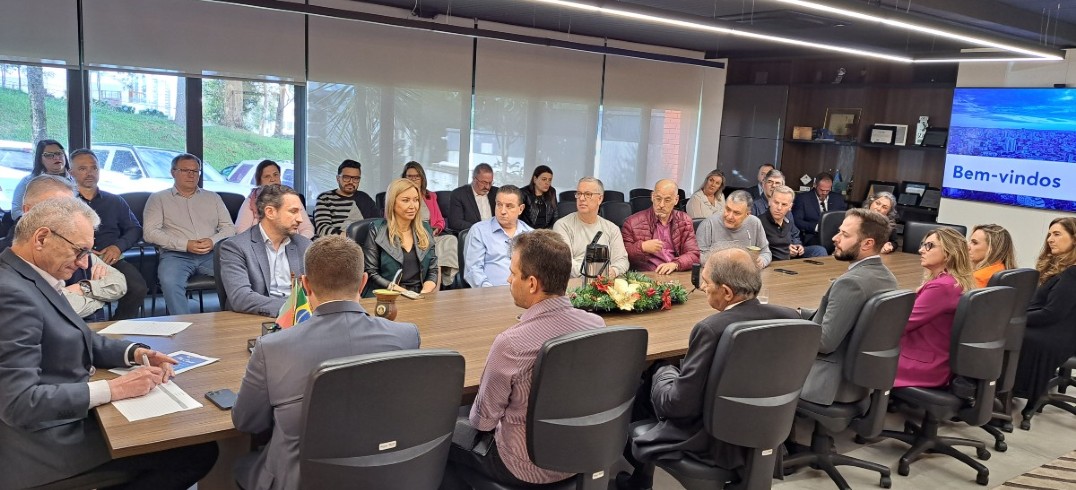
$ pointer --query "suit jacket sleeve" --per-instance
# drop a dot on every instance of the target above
(843, 302)
(799, 214)
(677, 395)
(456, 212)
(235, 275)
(1059, 302)
(253, 412)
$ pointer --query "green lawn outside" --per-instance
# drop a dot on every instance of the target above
(223, 146)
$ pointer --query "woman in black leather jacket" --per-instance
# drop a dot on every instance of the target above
(540, 199)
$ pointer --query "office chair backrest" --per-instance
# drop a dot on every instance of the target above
(1024, 282)
(639, 192)
(977, 345)
(613, 196)
(641, 203)
(564, 208)
(566, 196)
(360, 230)
(582, 391)
(444, 201)
(379, 201)
(874, 349)
(222, 294)
(233, 202)
(916, 231)
(137, 202)
(754, 385)
(696, 222)
(380, 420)
(616, 212)
(828, 227)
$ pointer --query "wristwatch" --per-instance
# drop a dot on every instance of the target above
(87, 289)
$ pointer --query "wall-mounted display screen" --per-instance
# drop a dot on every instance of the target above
(1013, 146)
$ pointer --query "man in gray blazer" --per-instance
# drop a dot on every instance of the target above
(858, 241)
(273, 398)
(47, 355)
(256, 266)
(731, 280)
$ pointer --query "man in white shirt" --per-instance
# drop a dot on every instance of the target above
(487, 253)
(580, 228)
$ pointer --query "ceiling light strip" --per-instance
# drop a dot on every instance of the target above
(722, 30)
(923, 29)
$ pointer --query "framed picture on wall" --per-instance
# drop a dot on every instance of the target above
(843, 123)
(882, 134)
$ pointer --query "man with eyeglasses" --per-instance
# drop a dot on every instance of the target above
(580, 228)
(487, 252)
(185, 221)
(661, 238)
(88, 289)
(761, 205)
(473, 202)
(338, 208)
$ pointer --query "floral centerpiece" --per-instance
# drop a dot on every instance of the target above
(631, 291)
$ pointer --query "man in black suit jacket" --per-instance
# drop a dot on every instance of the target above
(808, 208)
(731, 281)
(465, 208)
(759, 190)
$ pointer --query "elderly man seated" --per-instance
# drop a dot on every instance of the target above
(734, 228)
(661, 238)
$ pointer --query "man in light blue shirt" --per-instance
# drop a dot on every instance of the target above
(486, 253)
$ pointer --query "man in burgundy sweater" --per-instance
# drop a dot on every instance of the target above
(661, 238)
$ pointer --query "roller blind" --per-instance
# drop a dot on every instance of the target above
(39, 31)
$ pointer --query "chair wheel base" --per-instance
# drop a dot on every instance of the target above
(1025, 424)
(982, 453)
(903, 467)
(885, 482)
(1001, 446)
(983, 478)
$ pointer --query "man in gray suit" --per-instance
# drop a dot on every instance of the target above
(858, 241)
(47, 355)
(256, 266)
(272, 398)
(731, 280)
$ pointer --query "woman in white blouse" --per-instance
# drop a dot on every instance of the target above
(710, 198)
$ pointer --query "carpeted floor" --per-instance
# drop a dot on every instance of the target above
(1057, 474)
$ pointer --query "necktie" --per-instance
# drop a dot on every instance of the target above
(823, 205)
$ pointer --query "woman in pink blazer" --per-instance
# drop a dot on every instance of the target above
(924, 348)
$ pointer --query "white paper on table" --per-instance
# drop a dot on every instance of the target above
(187, 361)
(139, 327)
(163, 399)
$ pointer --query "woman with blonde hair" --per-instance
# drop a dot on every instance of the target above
(710, 198)
(1050, 338)
(447, 245)
(990, 250)
(924, 347)
(401, 242)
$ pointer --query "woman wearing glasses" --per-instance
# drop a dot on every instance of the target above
(924, 347)
(447, 245)
(540, 199)
(990, 250)
(49, 158)
(401, 242)
(885, 203)
(266, 173)
(710, 198)
(1050, 338)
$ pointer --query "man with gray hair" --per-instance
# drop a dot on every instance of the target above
(735, 228)
(781, 231)
(760, 206)
(256, 266)
(474, 202)
(580, 228)
(731, 280)
(47, 354)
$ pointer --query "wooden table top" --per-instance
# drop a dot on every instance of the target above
(465, 320)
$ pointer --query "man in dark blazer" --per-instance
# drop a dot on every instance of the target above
(277, 374)
(759, 190)
(808, 208)
(859, 241)
(47, 354)
(256, 266)
(467, 204)
(731, 280)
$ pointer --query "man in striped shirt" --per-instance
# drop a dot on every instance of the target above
(338, 208)
(538, 278)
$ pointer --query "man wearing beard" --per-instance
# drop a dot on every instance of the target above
(256, 266)
(337, 208)
(858, 241)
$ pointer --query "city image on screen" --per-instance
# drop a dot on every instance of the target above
(1014, 146)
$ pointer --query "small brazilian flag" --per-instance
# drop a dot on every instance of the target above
(296, 309)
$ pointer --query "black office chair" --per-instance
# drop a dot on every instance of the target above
(359, 230)
(640, 203)
(461, 245)
(871, 364)
(91, 480)
(233, 202)
(564, 208)
(616, 212)
(916, 231)
(222, 295)
(1062, 382)
(566, 196)
(750, 399)
(828, 227)
(379, 200)
(639, 192)
(444, 201)
(580, 404)
(380, 420)
(976, 352)
(613, 196)
(696, 222)
(1024, 281)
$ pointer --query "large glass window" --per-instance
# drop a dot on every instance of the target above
(343, 122)
(243, 123)
(33, 106)
(136, 126)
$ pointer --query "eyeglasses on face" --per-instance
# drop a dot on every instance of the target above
(662, 200)
(928, 246)
(80, 252)
(189, 171)
(587, 195)
(52, 154)
(348, 178)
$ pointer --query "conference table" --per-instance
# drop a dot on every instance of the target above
(465, 320)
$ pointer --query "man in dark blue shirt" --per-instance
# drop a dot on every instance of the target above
(119, 230)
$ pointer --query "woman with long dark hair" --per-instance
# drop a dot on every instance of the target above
(49, 158)
(540, 199)
(266, 173)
